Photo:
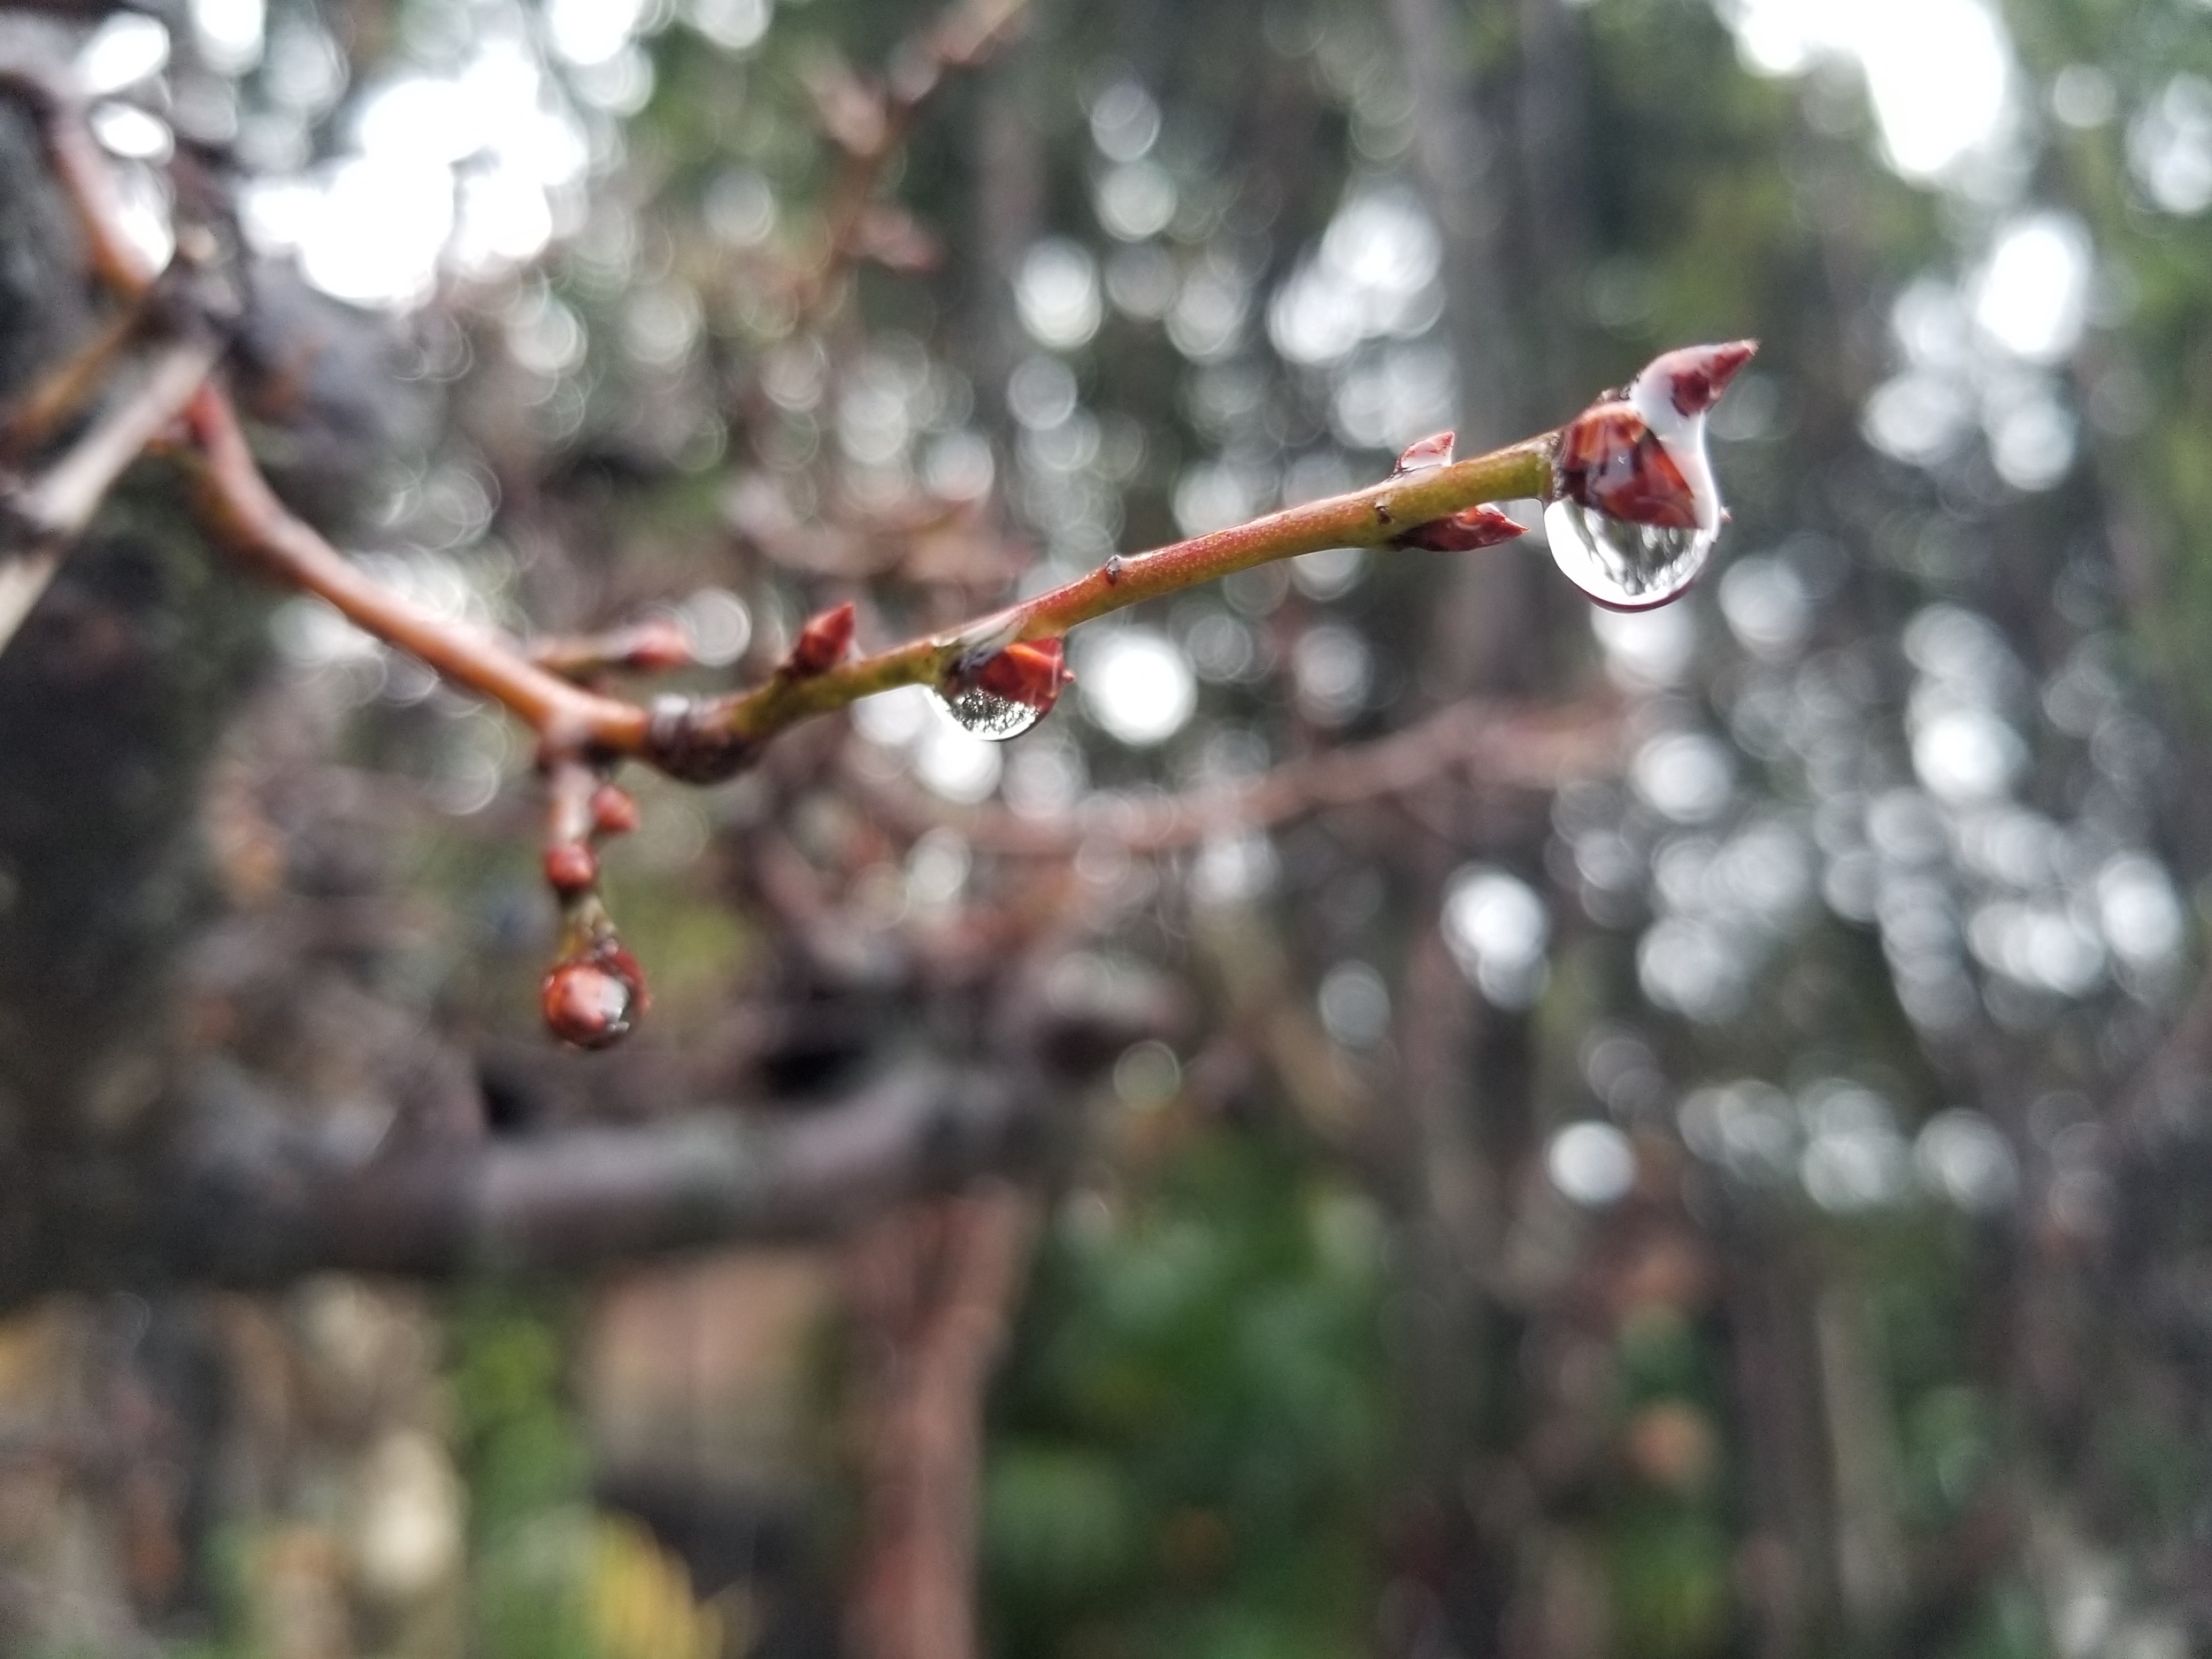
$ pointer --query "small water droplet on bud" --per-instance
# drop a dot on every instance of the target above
(1008, 692)
(593, 1001)
(1635, 510)
(1422, 453)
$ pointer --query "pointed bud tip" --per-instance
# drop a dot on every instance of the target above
(823, 643)
(1697, 375)
(1422, 453)
(1464, 532)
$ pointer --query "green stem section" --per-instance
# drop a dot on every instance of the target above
(1365, 518)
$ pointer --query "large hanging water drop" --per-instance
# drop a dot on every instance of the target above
(1626, 566)
(1635, 512)
(1008, 692)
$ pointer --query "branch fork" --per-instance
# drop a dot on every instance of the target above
(594, 992)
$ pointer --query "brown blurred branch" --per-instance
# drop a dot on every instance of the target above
(40, 414)
(42, 520)
(936, 1289)
(1500, 744)
(870, 123)
(251, 1199)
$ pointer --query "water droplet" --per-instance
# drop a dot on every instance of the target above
(1424, 453)
(1637, 511)
(1627, 566)
(1008, 692)
(593, 1000)
(987, 715)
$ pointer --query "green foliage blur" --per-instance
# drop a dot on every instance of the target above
(1190, 1451)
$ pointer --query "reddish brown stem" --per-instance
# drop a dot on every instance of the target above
(710, 739)
(655, 646)
(243, 512)
(1366, 518)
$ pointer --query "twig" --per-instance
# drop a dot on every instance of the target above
(52, 513)
(240, 508)
(1373, 517)
(714, 738)
(82, 170)
(871, 129)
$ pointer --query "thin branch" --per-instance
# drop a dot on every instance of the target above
(869, 127)
(1373, 517)
(81, 170)
(242, 512)
(52, 513)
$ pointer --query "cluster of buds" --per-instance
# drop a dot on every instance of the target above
(596, 992)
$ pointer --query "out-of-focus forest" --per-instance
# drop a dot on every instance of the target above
(1410, 1115)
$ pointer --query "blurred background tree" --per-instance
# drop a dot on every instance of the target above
(1481, 1126)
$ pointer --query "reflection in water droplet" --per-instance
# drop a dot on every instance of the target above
(987, 714)
(1008, 692)
(1627, 566)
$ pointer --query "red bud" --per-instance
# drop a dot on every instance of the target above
(822, 643)
(1611, 460)
(593, 1001)
(614, 812)
(1695, 376)
(1422, 453)
(656, 646)
(1031, 671)
(1464, 532)
(571, 868)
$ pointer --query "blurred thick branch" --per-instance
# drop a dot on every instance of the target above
(251, 1198)
(935, 1292)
